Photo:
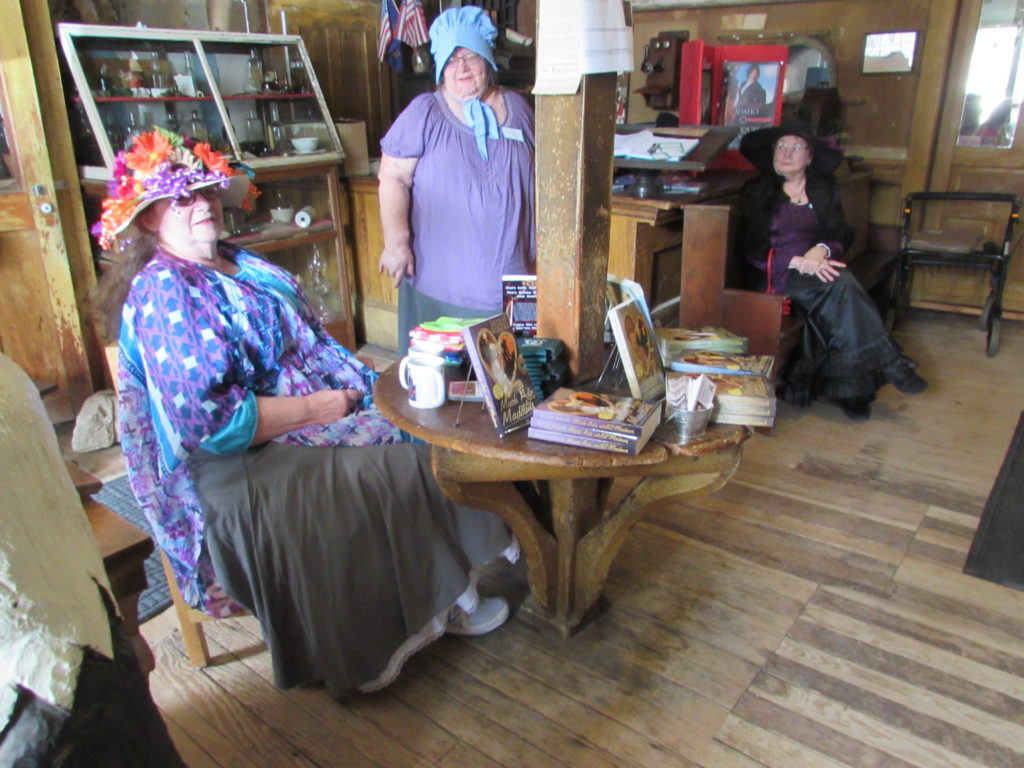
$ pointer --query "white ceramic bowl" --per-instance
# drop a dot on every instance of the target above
(307, 144)
(282, 215)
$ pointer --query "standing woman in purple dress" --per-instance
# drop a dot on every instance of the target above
(794, 236)
(456, 183)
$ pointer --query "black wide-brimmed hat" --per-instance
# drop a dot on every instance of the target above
(759, 147)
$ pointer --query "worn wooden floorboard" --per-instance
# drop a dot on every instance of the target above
(810, 614)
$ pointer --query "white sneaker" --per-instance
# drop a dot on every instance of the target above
(490, 613)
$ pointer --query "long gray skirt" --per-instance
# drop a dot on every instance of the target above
(342, 554)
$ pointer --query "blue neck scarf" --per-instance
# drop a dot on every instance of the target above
(481, 120)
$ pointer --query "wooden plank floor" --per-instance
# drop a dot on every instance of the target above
(810, 614)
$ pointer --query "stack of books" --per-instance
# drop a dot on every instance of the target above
(740, 398)
(590, 420)
(673, 342)
(446, 331)
(545, 363)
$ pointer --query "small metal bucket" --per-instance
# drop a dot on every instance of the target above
(690, 424)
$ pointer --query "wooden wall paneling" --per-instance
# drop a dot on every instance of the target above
(929, 117)
(376, 296)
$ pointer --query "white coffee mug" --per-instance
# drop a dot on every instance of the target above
(423, 376)
(425, 348)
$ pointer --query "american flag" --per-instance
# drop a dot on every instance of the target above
(388, 44)
(412, 26)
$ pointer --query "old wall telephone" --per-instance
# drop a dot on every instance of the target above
(661, 66)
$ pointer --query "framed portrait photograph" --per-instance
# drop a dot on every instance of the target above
(889, 52)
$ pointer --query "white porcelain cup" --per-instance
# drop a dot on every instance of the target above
(423, 376)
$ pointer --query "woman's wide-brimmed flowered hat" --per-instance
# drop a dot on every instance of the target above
(161, 164)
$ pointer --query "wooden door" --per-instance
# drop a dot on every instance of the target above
(963, 165)
(40, 327)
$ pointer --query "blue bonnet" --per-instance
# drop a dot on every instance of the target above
(467, 27)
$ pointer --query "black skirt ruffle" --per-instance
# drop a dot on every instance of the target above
(846, 353)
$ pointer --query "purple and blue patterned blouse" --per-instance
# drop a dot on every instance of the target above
(196, 347)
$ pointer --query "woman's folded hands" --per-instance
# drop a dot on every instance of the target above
(816, 263)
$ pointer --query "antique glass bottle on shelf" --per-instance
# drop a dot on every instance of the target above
(171, 123)
(321, 298)
(196, 128)
(185, 81)
(276, 132)
(136, 79)
(297, 80)
(105, 88)
(254, 73)
(255, 140)
(134, 129)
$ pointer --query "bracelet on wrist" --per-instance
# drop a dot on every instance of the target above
(828, 251)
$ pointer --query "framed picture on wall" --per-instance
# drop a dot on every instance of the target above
(751, 94)
(889, 52)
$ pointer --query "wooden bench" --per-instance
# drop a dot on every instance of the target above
(123, 548)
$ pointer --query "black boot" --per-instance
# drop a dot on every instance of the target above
(911, 384)
(855, 409)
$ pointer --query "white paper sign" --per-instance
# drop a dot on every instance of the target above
(580, 37)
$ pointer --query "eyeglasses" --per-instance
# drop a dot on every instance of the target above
(784, 148)
(189, 197)
(469, 59)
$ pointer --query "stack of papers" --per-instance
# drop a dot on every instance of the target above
(645, 145)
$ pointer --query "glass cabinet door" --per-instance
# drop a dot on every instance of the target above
(133, 85)
(252, 97)
(273, 109)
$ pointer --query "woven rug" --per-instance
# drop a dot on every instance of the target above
(117, 495)
(997, 551)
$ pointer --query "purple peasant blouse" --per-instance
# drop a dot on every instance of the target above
(472, 220)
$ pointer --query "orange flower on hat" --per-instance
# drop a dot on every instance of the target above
(148, 152)
(212, 159)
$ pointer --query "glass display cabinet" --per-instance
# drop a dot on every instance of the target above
(255, 98)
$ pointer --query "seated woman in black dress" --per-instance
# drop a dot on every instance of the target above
(793, 237)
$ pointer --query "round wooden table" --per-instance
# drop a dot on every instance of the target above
(555, 497)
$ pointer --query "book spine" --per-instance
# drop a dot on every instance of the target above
(582, 442)
(552, 420)
(752, 408)
(749, 420)
(597, 434)
(710, 369)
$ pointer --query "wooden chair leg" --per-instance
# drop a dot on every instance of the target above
(191, 625)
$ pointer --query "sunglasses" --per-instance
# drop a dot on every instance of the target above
(189, 196)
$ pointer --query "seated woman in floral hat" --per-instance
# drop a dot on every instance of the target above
(793, 235)
(253, 447)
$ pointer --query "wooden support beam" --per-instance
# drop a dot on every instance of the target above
(574, 179)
